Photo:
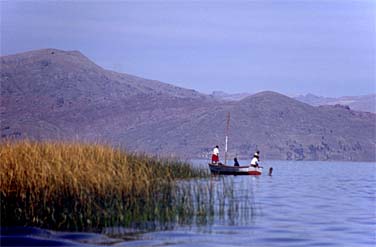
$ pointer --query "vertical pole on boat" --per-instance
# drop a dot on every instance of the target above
(226, 141)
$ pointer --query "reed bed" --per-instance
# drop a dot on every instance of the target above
(88, 187)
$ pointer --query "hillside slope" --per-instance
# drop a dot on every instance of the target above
(57, 94)
(53, 94)
(281, 127)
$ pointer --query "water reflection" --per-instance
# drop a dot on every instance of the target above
(302, 204)
(202, 203)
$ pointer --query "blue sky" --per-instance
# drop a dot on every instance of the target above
(326, 48)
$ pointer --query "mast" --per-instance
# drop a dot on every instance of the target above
(226, 141)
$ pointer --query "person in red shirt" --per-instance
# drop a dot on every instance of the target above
(215, 155)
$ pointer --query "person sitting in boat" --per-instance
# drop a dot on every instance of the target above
(215, 155)
(236, 163)
(255, 160)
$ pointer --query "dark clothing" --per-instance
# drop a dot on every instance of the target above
(270, 171)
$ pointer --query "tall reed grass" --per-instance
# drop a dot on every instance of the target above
(88, 187)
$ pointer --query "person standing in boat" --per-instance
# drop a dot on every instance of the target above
(215, 155)
(256, 159)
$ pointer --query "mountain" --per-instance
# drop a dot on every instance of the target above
(365, 103)
(281, 127)
(226, 96)
(54, 94)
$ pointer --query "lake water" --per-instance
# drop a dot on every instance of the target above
(301, 204)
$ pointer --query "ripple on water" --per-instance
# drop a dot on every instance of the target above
(320, 243)
(281, 241)
(299, 206)
(32, 241)
(32, 236)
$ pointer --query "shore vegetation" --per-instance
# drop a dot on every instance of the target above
(88, 187)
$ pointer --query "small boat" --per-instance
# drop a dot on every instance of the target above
(224, 169)
(234, 170)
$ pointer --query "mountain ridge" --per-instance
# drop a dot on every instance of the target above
(366, 103)
(75, 62)
(65, 97)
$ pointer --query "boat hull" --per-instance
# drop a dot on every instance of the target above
(234, 170)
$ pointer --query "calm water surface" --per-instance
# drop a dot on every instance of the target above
(301, 204)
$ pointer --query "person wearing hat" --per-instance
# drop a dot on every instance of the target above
(255, 160)
(215, 155)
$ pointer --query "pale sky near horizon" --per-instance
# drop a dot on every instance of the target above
(327, 48)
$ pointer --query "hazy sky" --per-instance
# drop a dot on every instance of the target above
(293, 47)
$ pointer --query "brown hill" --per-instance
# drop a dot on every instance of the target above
(53, 94)
(281, 127)
(56, 94)
(366, 103)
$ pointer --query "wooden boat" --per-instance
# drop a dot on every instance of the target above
(234, 170)
(224, 169)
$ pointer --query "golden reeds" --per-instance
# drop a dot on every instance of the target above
(75, 186)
